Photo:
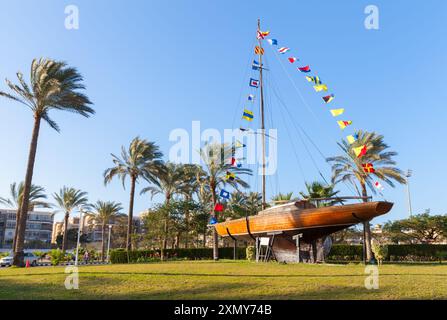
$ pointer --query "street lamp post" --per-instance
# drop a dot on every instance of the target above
(81, 211)
(408, 175)
(108, 243)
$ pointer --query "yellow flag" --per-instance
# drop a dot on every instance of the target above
(343, 123)
(360, 151)
(337, 112)
(350, 139)
(320, 87)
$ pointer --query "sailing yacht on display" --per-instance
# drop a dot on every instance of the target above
(291, 226)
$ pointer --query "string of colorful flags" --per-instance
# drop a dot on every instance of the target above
(319, 86)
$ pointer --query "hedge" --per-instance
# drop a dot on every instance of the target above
(396, 252)
(121, 256)
(339, 252)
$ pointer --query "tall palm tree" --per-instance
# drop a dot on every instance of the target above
(217, 163)
(348, 168)
(105, 212)
(141, 161)
(317, 190)
(253, 203)
(168, 182)
(53, 85)
(68, 199)
(37, 198)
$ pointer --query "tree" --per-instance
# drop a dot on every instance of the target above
(36, 200)
(421, 228)
(71, 239)
(217, 166)
(283, 198)
(141, 161)
(68, 199)
(53, 85)
(316, 190)
(348, 168)
(105, 212)
(168, 182)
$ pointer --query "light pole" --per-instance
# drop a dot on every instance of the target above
(408, 175)
(108, 243)
(81, 211)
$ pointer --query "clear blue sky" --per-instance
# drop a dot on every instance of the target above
(152, 66)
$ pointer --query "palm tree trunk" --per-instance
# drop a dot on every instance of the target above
(215, 238)
(130, 217)
(165, 228)
(23, 210)
(103, 246)
(366, 228)
(65, 236)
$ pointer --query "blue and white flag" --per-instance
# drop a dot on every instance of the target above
(224, 194)
(273, 42)
(254, 83)
(213, 220)
(251, 97)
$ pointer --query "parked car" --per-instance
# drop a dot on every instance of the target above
(28, 256)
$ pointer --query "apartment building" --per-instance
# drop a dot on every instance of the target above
(39, 226)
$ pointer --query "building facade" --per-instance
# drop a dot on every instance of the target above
(39, 227)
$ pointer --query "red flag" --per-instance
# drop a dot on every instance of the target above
(292, 59)
(368, 167)
(218, 207)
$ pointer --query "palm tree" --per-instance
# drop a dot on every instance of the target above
(283, 198)
(141, 160)
(168, 182)
(105, 213)
(316, 190)
(53, 85)
(36, 199)
(217, 163)
(68, 199)
(348, 168)
(253, 203)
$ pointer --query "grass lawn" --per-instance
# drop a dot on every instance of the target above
(225, 280)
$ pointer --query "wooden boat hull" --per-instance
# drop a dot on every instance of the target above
(313, 223)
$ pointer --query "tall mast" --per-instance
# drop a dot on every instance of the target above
(262, 117)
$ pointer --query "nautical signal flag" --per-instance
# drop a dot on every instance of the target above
(213, 220)
(328, 98)
(248, 115)
(360, 151)
(224, 194)
(351, 139)
(230, 176)
(239, 144)
(259, 50)
(254, 83)
(368, 167)
(315, 80)
(251, 97)
(273, 42)
(234, 163)
(243, 129)
(378, 185)
(218, 207)
(293, 59)
(344, 123)
(255, 65)
(305, 69)
(283, 50)
(337, 112)
(262, 34)
(320, 87)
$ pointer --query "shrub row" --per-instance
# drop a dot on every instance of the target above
(339, 252)
(122, 256)
(396, 252)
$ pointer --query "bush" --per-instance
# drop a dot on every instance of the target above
(57, 256)
(250, 253)
(122, 256)
(396, 252)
